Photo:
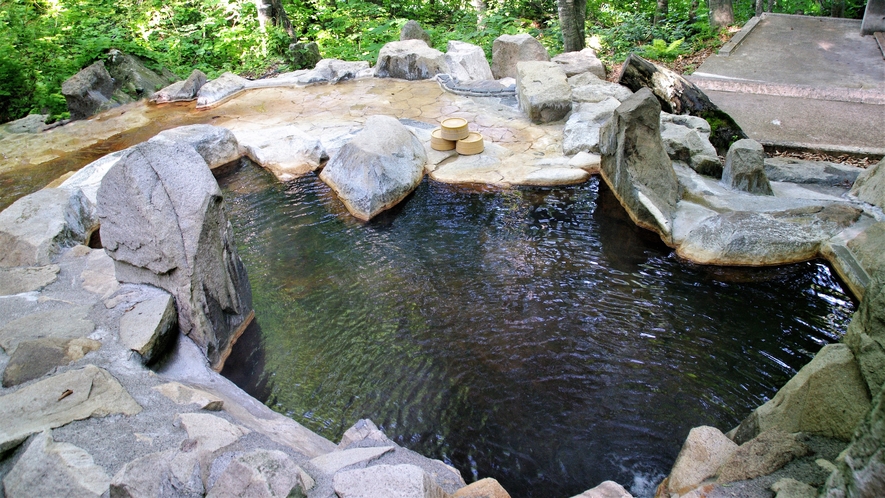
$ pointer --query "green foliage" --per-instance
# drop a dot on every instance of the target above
(660, 50)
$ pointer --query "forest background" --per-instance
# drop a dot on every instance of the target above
(44, 42)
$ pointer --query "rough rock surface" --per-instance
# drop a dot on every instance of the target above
(181, 91)
(163, 222)
(692, 147)
(88, 91)
(386, 481)
(186, 395)
(257, 473)
(68, 322)
(581, 132)
(35, 358)
(32, 123)
(165, 473)
(508, 50)
(26, 278)
(48, 468)
(762, 455)
(745, 168)
(586, 87)
(410, 60)
(870, 185)
(220, 90)
(132, 76)
(483, 488)
(150, 327)
(826, 397)
(413, 31)
(304, 55)
(862, 471)
(788, 169)
(285, 151)
(866, 334)
(762, 238)
(543, 91)
(467, 62)
(333, 71)
(47, 404)
(584, 61)
(216, 145)
(377, 169)
(704, 451)
(38, 226)
(606, 489)
(636, 166)
(791, 488)
(88, 178)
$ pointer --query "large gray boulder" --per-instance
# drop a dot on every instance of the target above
(691, 147)
(827, 397)
(163, 223)
(866, 333)
(636, 166)
(181, 91)
(132, 76)
(48, 468)
(386, 481)
(467, 62)
(765, 238)
(88, 91)
(543, 91)
(508, 50)
(788, 169)
(220, 89)
(870, 185)
(745, 168)
(59, 400)
(285, 151)
(410, 60)
(581, 132)
(584, 61)
(37, 227)
(377, 169)
(413, 31)
(862, 471)
(216, 145)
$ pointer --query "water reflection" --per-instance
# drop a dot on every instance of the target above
(535, 336)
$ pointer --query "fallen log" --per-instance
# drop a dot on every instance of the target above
(680, 96)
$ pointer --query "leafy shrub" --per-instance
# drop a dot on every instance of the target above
(660, 50)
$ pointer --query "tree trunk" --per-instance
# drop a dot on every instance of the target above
(480, 7)
(760, 7)
(721, 13)
(692, 11)
(661, 11)
(838, 8)
(572, 16)
(680, 96)
(272, 12)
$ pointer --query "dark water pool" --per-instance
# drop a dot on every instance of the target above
(535, 336)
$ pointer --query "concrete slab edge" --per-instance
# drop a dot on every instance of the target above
(847, 267)
(716, 83)
(872, 152)
(736, 40)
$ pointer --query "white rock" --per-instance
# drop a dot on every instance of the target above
(704, 451)
(210, 432)
(331, 463)
(467, 62)
(508, 50)
(410, 60)
(285, 151)
(386, 481)
(216, 145)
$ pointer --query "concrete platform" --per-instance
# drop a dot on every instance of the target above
(802, 82)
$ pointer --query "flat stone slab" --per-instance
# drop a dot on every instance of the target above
(59, 400)
(33, 359)
(330, 463)
(26, 279)
(64, 323)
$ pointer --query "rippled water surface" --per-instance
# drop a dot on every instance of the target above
(535, 336)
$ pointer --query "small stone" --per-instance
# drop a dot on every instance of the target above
(745, 168)
(363, 430)
(791, 488)
(548, 177)
(186, 395)
(210, 432)
(33, 359)
(386, 481)
(26, 279)
(59, 400)
(99, 276)
(762, 455)
(150, 327)
(483, 488)
(48, 468)
(304, 55)
(162, 474)
(331, 463)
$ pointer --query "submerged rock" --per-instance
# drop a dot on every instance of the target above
(163, 223)
(636, 166)
(377, 169)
